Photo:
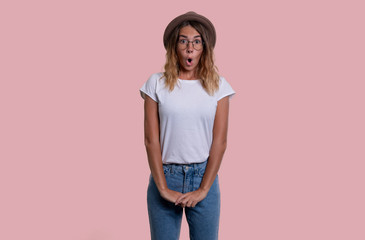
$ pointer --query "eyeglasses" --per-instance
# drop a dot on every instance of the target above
(183, 44)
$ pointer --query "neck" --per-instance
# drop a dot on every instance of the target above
(188, 75)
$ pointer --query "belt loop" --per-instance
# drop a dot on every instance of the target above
(195, 167)
(170, 168)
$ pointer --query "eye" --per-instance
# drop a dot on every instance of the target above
(197, 41)
(182, 41)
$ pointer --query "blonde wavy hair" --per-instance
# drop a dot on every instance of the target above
(207, 71)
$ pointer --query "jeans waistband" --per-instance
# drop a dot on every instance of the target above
(194, 165)
(186, 168)
(201, 164)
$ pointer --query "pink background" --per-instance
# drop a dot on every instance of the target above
(73, 164)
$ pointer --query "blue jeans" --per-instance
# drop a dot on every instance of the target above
(165, 217)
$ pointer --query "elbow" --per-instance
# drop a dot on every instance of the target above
(151, 142)
(224, 145)
(221, 144)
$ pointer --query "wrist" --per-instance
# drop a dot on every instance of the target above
(204, 189)
(163, 190)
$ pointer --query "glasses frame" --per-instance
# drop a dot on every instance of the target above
(179, 45)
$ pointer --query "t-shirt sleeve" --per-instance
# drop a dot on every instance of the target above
(225, 90)
(149, 88)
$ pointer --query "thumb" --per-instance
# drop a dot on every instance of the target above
(179, 199)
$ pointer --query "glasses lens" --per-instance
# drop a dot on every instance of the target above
(198, 44)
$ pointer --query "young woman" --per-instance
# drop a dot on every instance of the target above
(186, 121)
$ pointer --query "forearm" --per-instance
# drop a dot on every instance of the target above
(155, 163)
(215, 158)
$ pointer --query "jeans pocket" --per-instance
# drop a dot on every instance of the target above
(166, 170)
(201, 172)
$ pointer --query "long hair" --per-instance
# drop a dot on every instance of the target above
(207, 71)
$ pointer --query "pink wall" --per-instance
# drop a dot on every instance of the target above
(73, 164)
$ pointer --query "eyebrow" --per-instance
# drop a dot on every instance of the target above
(187, 37)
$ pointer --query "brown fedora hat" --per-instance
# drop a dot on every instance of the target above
(190, 16)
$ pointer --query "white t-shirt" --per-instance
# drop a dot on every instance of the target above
(186, 117)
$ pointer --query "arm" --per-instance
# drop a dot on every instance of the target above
(153, 149)
(216, 153)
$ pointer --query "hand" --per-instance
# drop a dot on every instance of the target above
(170, 195)
(190, 199)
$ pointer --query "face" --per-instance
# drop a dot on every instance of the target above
(189, 57)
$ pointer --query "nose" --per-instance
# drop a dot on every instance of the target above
(190, 47)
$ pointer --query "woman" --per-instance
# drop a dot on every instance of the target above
(186, 121)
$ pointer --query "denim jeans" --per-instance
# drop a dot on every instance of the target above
(165, 217)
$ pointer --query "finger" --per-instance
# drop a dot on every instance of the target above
(183, 196)
(187, 204)
(178, 200)
(186, 197)
(185, 201)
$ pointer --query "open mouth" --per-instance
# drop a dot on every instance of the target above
(189, 61)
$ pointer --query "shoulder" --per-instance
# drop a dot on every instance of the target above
(154, 81)
(225, 89)
(222, 81)
(151, 86)
(155, 77)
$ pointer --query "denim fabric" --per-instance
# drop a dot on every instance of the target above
(165, 217)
